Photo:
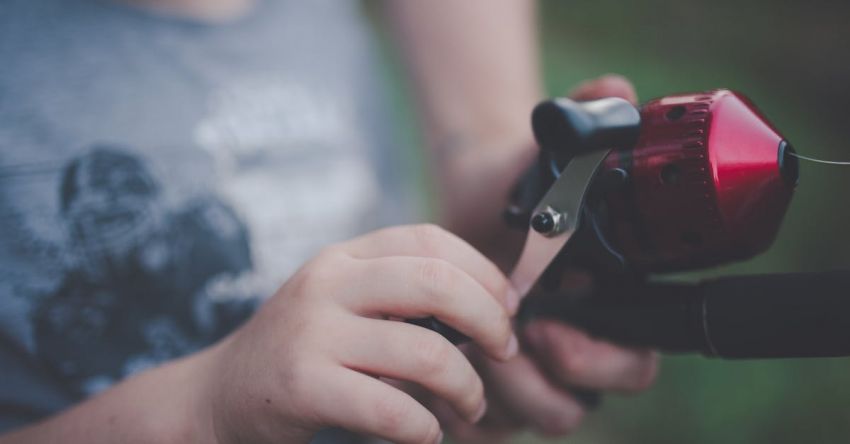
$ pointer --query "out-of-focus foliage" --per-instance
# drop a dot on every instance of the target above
(793, 60)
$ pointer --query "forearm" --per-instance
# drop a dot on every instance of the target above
(162, 405)
(476, 72)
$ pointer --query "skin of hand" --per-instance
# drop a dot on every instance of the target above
(324, 351)
(533, 389)
(313, 355)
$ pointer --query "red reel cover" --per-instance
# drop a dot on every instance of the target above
(709, 182)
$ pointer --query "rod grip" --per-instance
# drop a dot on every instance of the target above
(765, 316)
(779, 315)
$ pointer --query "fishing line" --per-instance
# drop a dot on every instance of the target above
(825, 162)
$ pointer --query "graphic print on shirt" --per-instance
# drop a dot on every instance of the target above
(133, 294)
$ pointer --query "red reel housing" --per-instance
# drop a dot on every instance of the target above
(709, 182)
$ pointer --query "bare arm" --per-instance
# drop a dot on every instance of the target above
(160, 406)
(475, 67)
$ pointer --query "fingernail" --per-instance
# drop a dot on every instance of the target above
(512, 301)
(482, 409)
(513, 347)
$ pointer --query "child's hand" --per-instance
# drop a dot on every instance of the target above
(310, 356)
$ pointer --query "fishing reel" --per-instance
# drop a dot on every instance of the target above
(683, 182)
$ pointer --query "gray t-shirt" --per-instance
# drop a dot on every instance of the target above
(159, 176)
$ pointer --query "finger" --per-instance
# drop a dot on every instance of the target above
(366, 405)
(573, 358)
(462, 431)
(415, 287)
(406, 352)
(609, 85)
(432, 241)
(523, 389)
(497, 419)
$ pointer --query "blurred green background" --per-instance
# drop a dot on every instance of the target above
(793, 60)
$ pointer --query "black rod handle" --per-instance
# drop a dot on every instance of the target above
(432, 323)
(766, 316)
(777, 316)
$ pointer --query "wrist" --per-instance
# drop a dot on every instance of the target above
(174, 401)
(475, 178)
(230, 405)
(189, 417)
(203, 416)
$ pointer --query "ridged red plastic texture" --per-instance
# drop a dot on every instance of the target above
(705, 185)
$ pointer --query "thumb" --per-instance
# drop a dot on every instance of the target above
(609, 85)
